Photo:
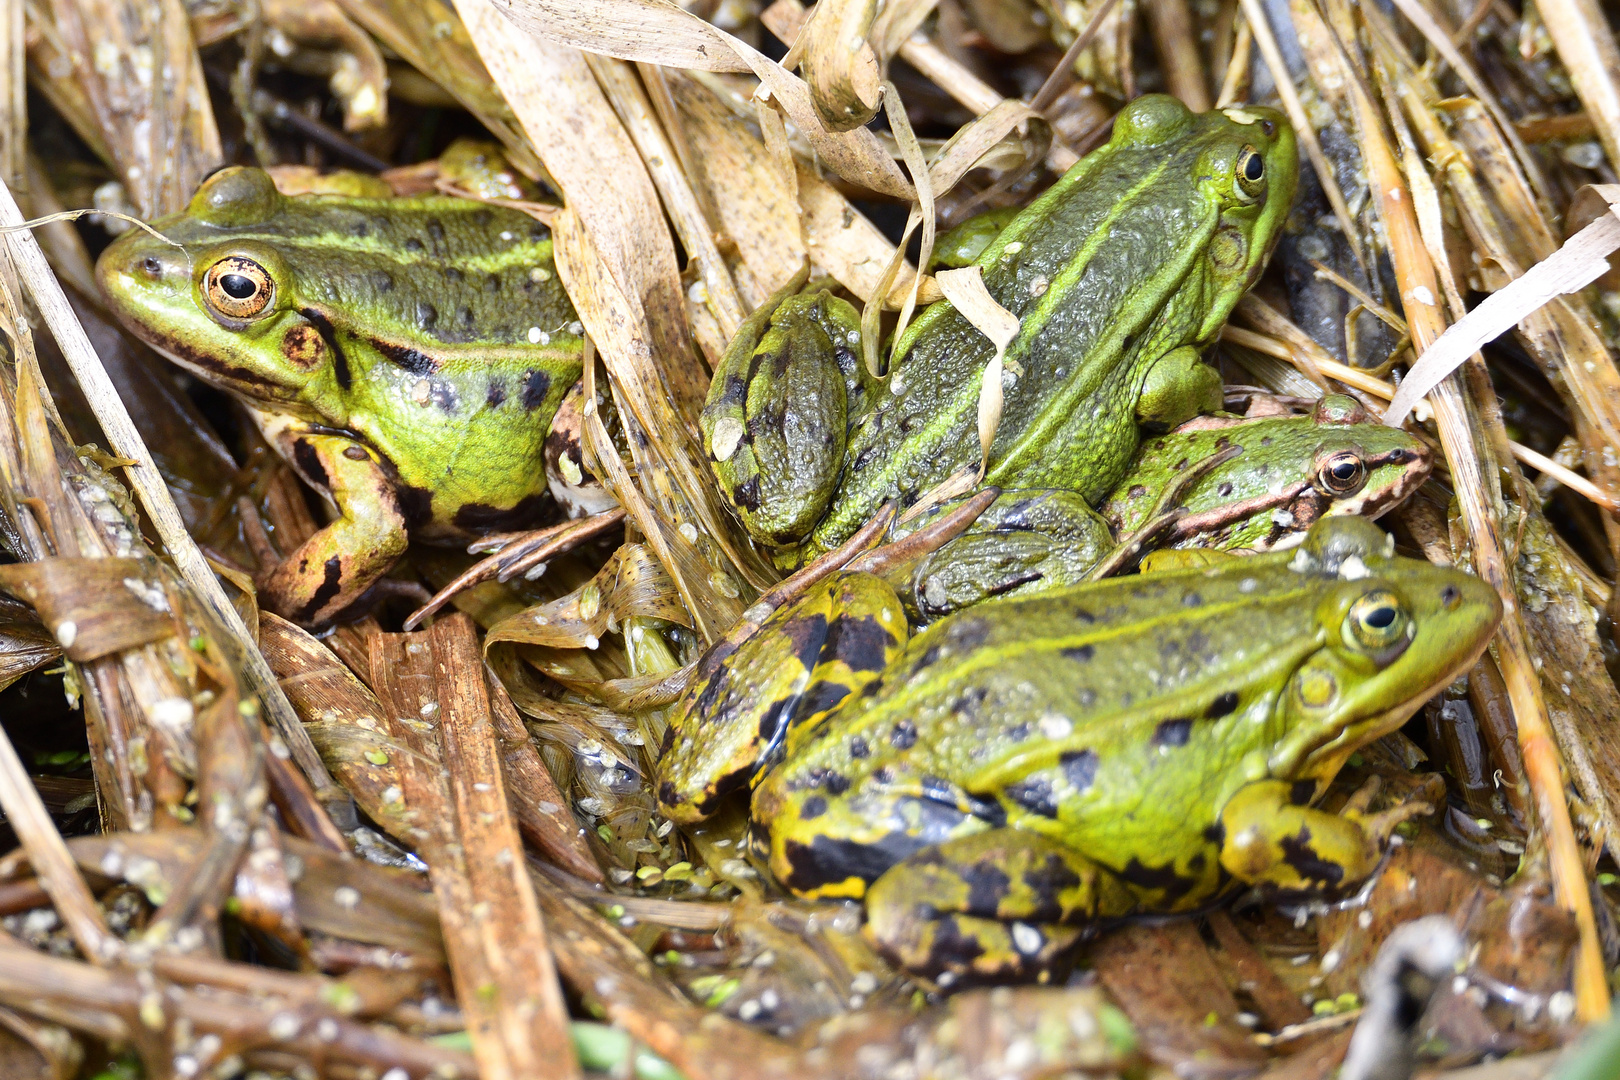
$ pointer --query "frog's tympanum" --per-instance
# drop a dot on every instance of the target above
(1279, 476)
(1032, 766)
(1120, 275)
(405, 355)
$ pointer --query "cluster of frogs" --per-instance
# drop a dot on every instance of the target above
(1045, 753)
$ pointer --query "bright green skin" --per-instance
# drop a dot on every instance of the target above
(393, 367)
(1026, 767)
(1120, 274)
(1292, 470)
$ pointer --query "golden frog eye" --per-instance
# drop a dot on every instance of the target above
(1251, 173)
(1341, 474)
(238, 288)
(1378, 621)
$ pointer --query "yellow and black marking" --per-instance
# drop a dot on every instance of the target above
(804, 660)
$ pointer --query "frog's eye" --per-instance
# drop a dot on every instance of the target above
(1251, 173)
(1379, 623)
(1341, 474)
(238, 288)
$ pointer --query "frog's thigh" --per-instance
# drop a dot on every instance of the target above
(990, 905)
(776, 420)
(331, 569)
(804, 659)
(1029, 540)
(1272, 838)
(1178, 387)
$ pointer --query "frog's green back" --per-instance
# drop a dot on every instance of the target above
(1144, 247)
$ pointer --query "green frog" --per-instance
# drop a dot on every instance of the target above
(1029, 768)
(1290, 471)
(1120, 275)
(406, 356)
(1264, 482)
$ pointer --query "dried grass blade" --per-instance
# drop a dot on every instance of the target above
(1415, 275)
(436, 44)
(105, 1004)
(540, 808)
(587, 152)
(608, 311)
(504, 919)
(13, 96)
(1442, 43)
(1581, 261)
(1581, 34)
(964, 288)
(618, 80)
(493, 983)
(141, 76)
(839, 64)
(753, 203)
(1255, 13)
(658, 32)
(610, 972)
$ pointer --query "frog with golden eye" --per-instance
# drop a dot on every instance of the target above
(1034, 767)
(405, 355)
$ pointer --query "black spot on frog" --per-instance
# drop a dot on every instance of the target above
(1079, 768)
(1035, 795)
(536, 384)
(860, 643)
(1172, 732)
(1299, 854)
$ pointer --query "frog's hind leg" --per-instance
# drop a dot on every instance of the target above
(1027, 541)
(803, 661)
(1001, 904)
(776, 421)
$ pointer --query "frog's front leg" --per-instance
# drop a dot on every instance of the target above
(777, 418)
(1028, 540)
(1270, 836)
(805, 659)
(1178, 387)
(1001, 904)
(331, 569)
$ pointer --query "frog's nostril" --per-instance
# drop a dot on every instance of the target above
(1450, 596)
(153, 266)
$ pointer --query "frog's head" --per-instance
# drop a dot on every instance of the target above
(215, 298)
(1243, 164)
(1392, 632)
(1362, 468)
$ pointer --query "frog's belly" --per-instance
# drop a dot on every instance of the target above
(456, 485)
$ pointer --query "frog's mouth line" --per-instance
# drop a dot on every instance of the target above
(216, 371)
